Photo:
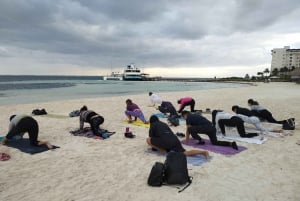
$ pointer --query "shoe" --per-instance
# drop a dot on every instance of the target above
(234, 145)
(129, 135)
(105, 135)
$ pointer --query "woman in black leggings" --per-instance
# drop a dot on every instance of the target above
(20, 124)
(221, 119)
(265, 114)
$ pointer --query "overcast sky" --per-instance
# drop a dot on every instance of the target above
(164, 37)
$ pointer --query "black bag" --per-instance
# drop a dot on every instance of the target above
(173, 119)
(156, 177)
(39, 112)
(176, 171)
(288, 125)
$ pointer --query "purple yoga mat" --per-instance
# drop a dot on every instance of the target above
(213, 148)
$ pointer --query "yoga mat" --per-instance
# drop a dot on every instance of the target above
(87, 132)
(269, 133)
(24, 146)
(161, 115)
(55, 116)
(137, 123)
(192, 160)
(237, 137)
(213, 148)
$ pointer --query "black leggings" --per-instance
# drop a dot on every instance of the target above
(210, 131)
(95, 123)
(235, 122)
(29, 125)
(191, 103)
(267, 115)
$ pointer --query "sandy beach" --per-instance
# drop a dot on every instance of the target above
(115, 169)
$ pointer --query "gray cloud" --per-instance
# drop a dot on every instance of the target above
(152, 33)
(256, 14)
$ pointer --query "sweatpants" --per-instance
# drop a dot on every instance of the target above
(191, 104)
(267, 115)
(235, 122)
(136, 113)
(208, 130)
(26, 125)
(95, 123)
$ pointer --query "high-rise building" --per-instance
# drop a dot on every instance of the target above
(285, 57)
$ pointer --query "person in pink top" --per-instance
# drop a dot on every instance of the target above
(185, 102)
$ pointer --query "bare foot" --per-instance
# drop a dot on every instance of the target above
(206, 154)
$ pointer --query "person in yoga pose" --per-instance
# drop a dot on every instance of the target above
(21, 124)
(132, 110)
(162, 138)
(185, 102)
(221, 119)
(91, 117)
(154, 99)
(248, 117)
(167, 107)
(265, 114)
(196, 123)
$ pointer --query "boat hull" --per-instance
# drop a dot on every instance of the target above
(132, 78)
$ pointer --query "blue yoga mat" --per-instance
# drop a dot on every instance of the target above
(193, 160)
(161, 115)
(24, 146)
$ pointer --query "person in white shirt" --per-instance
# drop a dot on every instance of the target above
(221, 119)
(155, 99)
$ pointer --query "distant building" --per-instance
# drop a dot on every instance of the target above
(285, 57)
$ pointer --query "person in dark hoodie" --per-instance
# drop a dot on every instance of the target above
(91, 117)
(167, 107)
(162, 138)
(241, 110)
(196, 123)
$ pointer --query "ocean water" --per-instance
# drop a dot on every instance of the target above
(33, 89)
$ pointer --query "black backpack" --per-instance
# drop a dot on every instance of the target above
(173, 171)
(156, 177)
(173, 119)
(176, 171)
